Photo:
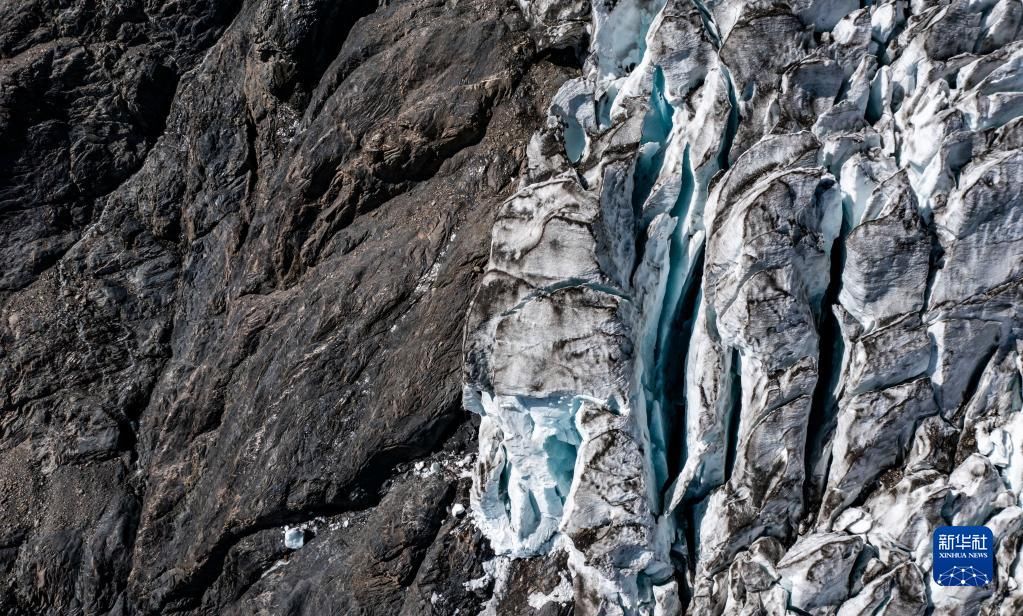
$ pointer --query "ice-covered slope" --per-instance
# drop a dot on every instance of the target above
(749, 328)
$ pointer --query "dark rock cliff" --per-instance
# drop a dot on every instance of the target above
(239, 240)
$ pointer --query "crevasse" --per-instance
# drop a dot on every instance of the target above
(530, 472)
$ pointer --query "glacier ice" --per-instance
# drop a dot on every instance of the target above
(294, 538)
(749, 330)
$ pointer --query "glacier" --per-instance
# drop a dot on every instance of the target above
(750, 326)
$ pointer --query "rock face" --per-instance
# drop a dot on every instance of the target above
(748, 328)
(240, 239)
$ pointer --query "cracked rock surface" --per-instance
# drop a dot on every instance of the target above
(239, 238)
(502, 307)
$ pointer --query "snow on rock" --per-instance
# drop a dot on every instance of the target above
(558, 23)
(562, 593)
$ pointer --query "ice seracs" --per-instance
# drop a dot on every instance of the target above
(749, 328)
